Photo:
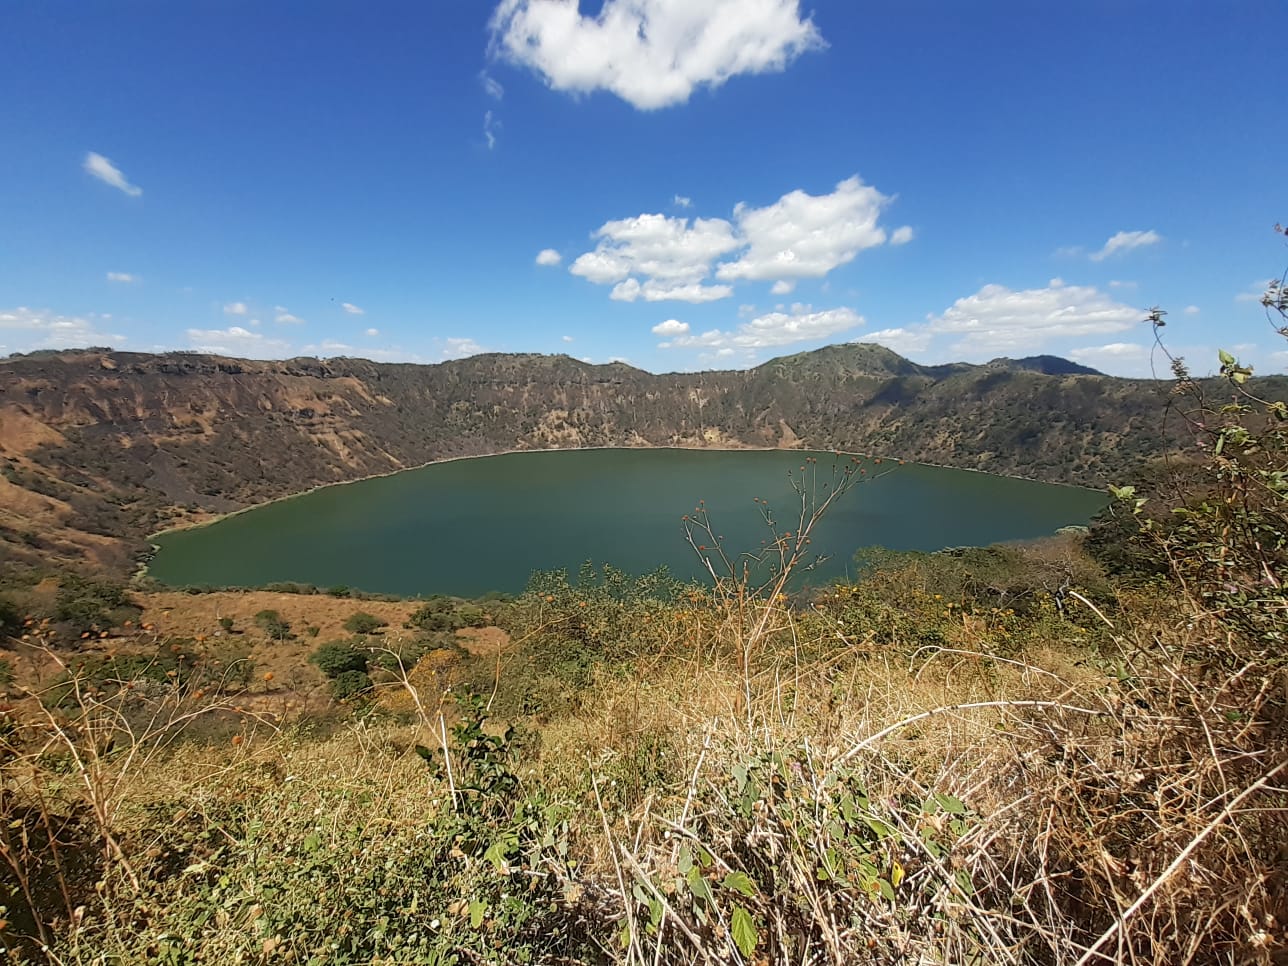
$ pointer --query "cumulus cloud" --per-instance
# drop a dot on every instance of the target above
(658, 257)
(121, 277)
(352, 309)
(567, 338)
(680, 201)
(650, 53)
(237, 341)
(460, 348)
(327, 347)
(671, 327)
(1119, 358)
(806, 236)
(997, 319)
(672, 254)
(800, 324)
(1125, 241)
(548, 257)
(24, 330)
(904, 341)
(655, 291)
(284, 317)
(902, 235)
(236, 308)
(103, 169)
(372, 332)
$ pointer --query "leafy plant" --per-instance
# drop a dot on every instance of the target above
(340, 657)
(360, 622)
(273, 624)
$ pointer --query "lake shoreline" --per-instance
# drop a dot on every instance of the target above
(581, 449)
(144, 566)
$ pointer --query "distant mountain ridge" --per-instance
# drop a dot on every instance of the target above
(98, 447)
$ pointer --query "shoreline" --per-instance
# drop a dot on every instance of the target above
(573, 449)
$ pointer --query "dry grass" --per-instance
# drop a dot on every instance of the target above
(838, 802)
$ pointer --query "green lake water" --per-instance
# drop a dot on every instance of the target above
(477, 525)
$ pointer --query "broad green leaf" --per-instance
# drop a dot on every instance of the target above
(1226, 358)
(478, 909)
(740, 882)
(743, 928)
(951, 804)
(699, 886)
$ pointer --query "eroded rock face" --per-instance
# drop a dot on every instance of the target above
(118, 444)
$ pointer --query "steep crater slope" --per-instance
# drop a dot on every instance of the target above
(98, 448)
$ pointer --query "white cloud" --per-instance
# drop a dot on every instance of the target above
(491, 127)
(1256, 291)
(236, 308)
(1119, 283)
(103, 169)
(372, 332)
(24, 330)
(352, 309)
(237, 341)
(492, 86)
(671, 327)
(800, 324)
(655, 291)
(650, 53)
(567, 338)
(902, 235)
(121, 277)
(902, 340)
(997, 319)
(1118, 358)
(673, 256)
(460, 348)
(806, 236)
(548, 257)
(1125, 241)
(327, 347)
(1192, 310)
(284, 317)
(680, 201)
(658, 257)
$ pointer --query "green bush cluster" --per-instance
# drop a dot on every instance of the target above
(346, 667)
(85, 605)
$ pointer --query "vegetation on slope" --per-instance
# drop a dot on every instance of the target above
(1067, 753)
(101, 448)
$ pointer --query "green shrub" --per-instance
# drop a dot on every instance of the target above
(436, 614)
(360, 622)
(350, 684)
(272, 623)
(226, 623)
(92, 605)
(10, 619)
(339, 657)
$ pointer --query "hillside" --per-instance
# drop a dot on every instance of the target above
(99, 447)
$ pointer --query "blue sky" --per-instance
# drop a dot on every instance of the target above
(684, 184)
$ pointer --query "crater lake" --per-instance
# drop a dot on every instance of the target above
(467, 527)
